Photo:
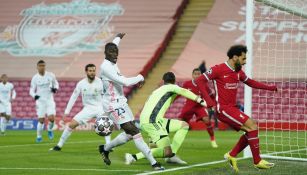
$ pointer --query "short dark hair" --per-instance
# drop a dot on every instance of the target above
(89, 65)
(40, 62)
(109, 45)
(169, 77)
(236, 50)
(196, 69)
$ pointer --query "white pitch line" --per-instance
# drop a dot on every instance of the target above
(181, 168)
(42, 144)
(65, 169)
(187, 167)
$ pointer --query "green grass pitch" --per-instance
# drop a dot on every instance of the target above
(19, 154)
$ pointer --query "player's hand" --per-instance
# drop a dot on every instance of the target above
(36, 97)
(201, 101)
(121, 35)
(54, 90)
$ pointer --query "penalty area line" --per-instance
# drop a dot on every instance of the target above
(67, 169)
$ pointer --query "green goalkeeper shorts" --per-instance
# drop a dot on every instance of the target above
(155, 131)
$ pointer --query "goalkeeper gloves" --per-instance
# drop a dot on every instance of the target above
(201, 101)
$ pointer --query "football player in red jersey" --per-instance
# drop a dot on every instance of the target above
(190, 108)
(226, 78)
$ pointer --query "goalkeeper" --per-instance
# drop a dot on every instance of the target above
(152, 121)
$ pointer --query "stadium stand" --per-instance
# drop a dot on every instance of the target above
(148, 26)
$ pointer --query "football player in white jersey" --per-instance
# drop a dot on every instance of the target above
(7, 95)
(116, 107)
(43, 86)
(91, 90)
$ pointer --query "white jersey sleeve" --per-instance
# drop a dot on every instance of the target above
(33, 87)
(114, 76)
(13, 92)
(73, 99)
(116, 41)
(55, 83)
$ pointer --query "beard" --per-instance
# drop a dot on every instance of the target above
(238, 66)
(90, 77)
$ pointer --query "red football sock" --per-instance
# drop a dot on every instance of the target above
(210, 131)
(242, 143)
(253, 141)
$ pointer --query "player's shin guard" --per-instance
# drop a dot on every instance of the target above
(253, 141)
(3, 124)
(242, 143)
(143, 147)
(120, 139)
(179, 138)
(66, 133)
(40, 128)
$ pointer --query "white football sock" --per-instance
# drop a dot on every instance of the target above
(66, 133)
(3, 124)
(40, 128)
(50, 125)
(107, 139)
(143, 147)
(122, 138)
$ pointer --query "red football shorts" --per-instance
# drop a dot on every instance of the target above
(187, 112)
(233, 117)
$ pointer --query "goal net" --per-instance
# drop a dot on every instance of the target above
(280, 57)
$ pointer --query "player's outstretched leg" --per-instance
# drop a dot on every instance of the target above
(132, 130)
(104, 150)
(65, 135)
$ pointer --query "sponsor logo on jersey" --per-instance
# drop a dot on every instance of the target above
(231, 86)
(59, 29)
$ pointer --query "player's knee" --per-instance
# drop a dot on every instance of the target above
(168, 152)
(206, 120)
(73, 124)
(253, 126)
(250, 125)
(130, 128)
(185, 125)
